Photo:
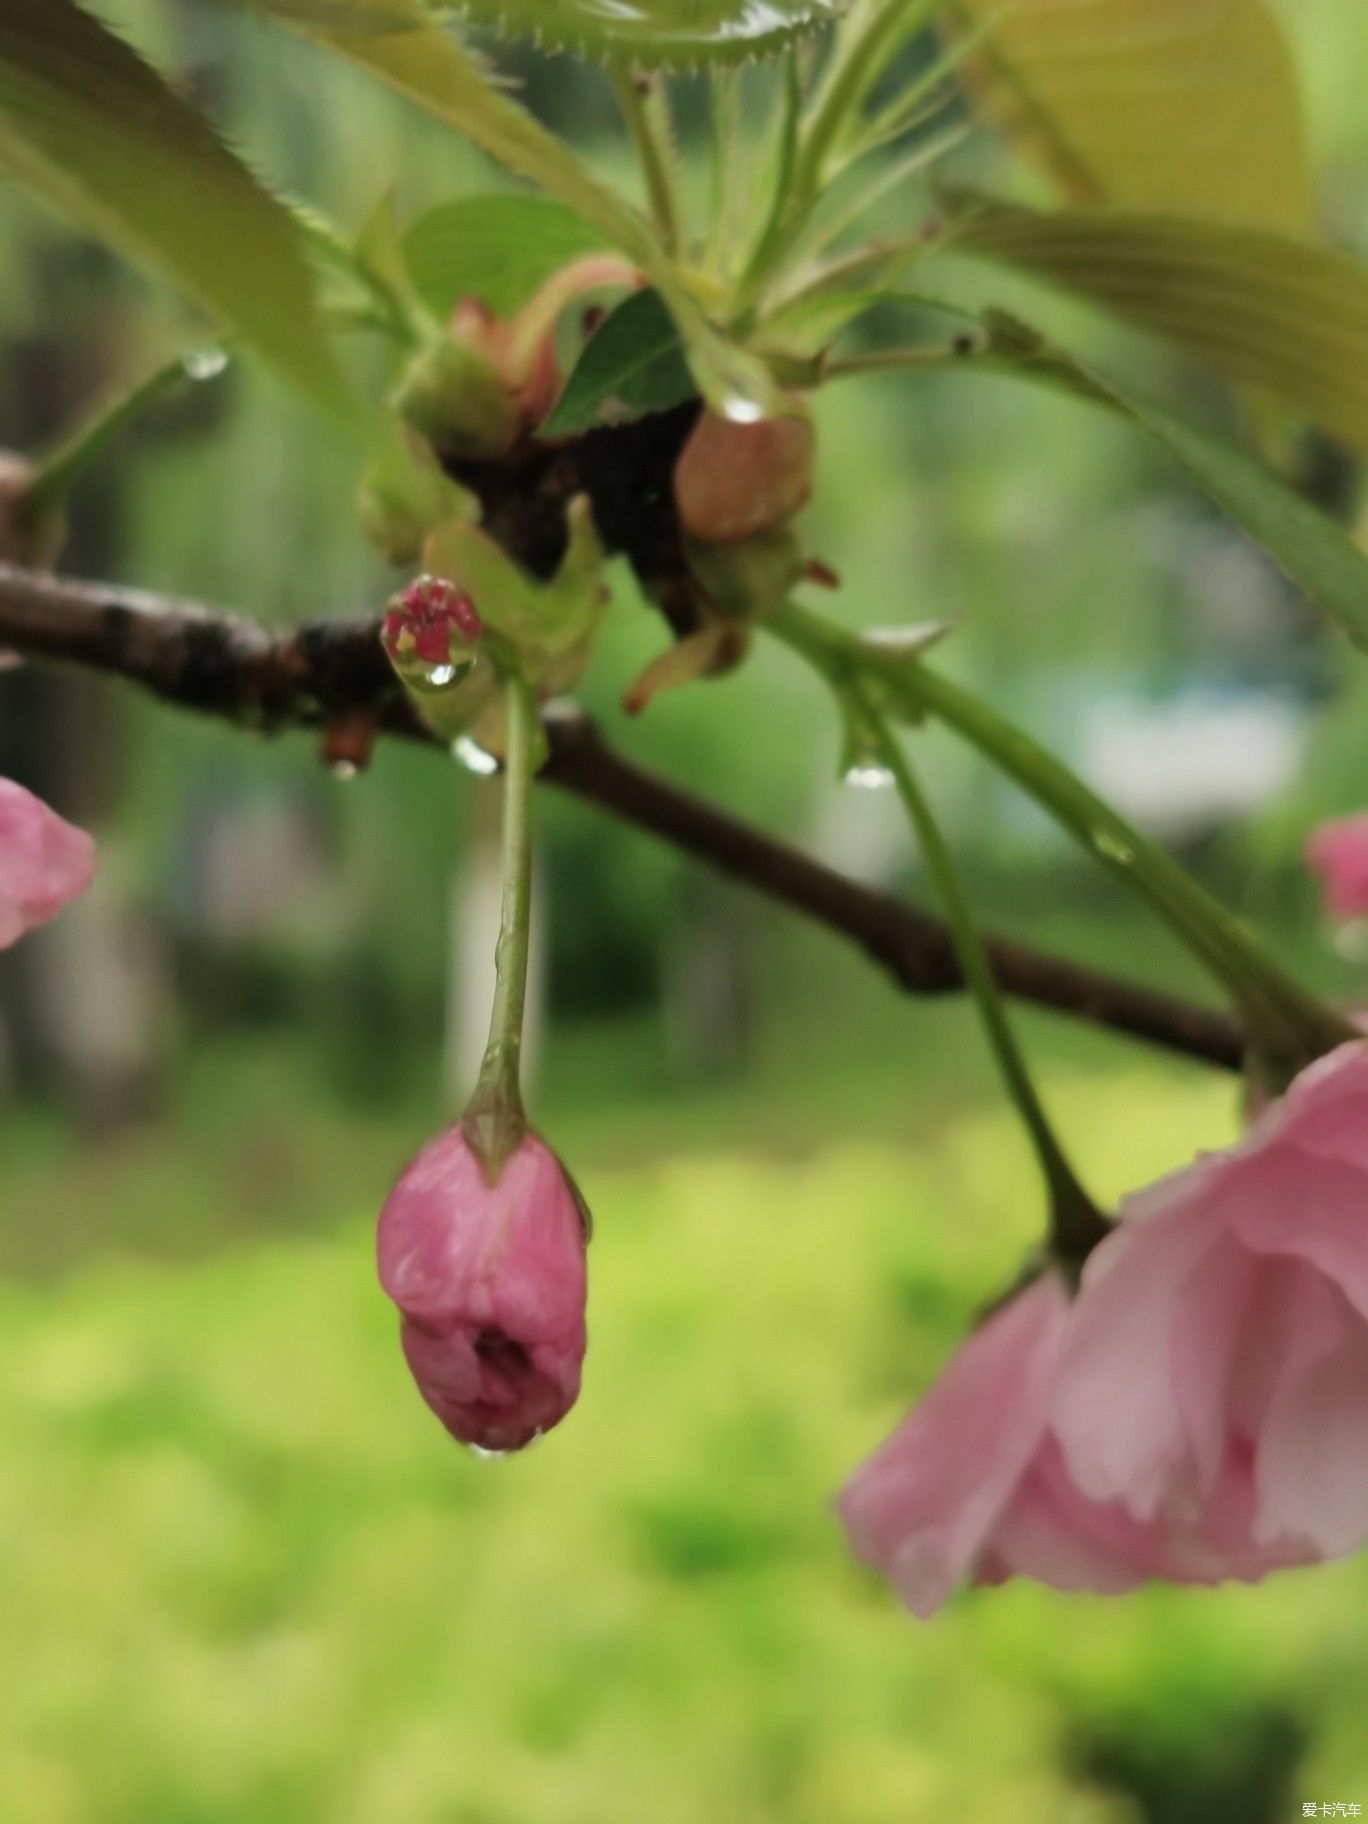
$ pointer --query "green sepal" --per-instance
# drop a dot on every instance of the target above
(451, 395)
(543, 628)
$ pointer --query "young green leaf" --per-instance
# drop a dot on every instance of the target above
(1307, 546)
(1282, 316)
(1186, 106)
(654, 34)
(96, 132)
(500, 249)
(632, 365)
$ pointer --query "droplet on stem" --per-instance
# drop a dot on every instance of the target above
(474, 758)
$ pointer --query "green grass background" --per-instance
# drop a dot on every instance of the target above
(246, 1579)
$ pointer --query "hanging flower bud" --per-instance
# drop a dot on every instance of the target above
(737, 481)
(44, 862)
(430, 632)
(490, 1282)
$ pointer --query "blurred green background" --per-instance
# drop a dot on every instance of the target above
(243, 1574)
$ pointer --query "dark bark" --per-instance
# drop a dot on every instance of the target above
(329, 674)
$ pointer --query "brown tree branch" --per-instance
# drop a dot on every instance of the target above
(330, 672)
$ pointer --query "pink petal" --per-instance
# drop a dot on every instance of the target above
(920, 1508)
(1054, 1534)
(1312, 1466)
(1310, 1209)
(44, 862)
(1114, 1410)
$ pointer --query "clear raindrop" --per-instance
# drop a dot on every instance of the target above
(205, 363)
(473, 757)
(1113, 849)
(344, 769)
(487, 1456)
(868, 776)
(740, 408)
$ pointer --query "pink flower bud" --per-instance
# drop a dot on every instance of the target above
(737, 481)
(1338, 853)
(490, 1282)
(44, 862)
(431, 621)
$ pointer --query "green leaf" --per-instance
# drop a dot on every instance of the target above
(95, 131)
(632, 365)
(1307, 546)
(1190, 107)
(1281, 316)
(651, 34)
(395, 41)
(500, 249)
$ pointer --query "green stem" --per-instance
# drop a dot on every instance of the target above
(55, 472)
(494, 1119)
(1288, 1025)
(1076, 1225)
(642, 106)
(865, 42)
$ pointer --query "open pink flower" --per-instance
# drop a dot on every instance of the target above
(974, 1485)
(44, 862)
(1217, 1359)
(1338, 853)
(491, 1284)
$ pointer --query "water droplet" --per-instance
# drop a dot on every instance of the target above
(1351, 940)
(740, 408)
(439, 676)
(487, 1456)
(867, 776)
(344, 769)
(205, 363)
(1113, 848)
(473, 757)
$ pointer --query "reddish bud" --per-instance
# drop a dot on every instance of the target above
(490, 1283)
(736, 481)
(431, 622)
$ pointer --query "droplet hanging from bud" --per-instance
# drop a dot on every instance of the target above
(431, 633)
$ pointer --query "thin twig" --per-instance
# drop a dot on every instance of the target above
(328, 673)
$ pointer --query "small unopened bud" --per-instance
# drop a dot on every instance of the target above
(430, 632)
(526, 366)
(737, 481)
(490, 1284)
(453, 396)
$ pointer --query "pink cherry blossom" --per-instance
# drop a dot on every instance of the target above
(44, 862)
(490, 1282)
(1216, 1363)
(1338, 853)
(973, 1485)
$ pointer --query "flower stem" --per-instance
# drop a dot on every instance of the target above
(55, 472)
(1075, 1223)
(645, 115)
(1289, 1027)
(494, 1121)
